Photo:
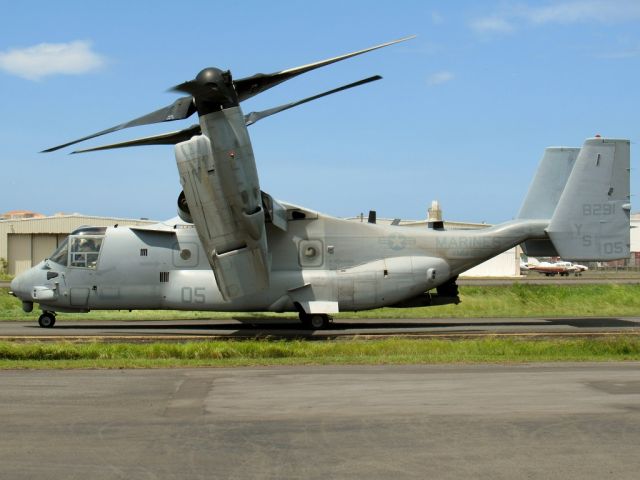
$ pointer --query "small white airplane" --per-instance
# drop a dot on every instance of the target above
(551, 269)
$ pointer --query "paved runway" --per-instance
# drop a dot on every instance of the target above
(288, 328)
(447, 422)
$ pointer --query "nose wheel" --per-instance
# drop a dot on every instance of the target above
(47, 319)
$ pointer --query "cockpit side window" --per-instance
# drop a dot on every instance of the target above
(84, 250)
(61, 254)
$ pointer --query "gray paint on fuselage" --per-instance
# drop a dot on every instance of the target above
(361, 266)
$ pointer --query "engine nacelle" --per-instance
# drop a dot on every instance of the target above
(183, 208)
(223, 198)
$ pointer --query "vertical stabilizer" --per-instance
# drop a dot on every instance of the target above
(544, 193)
(591, 221)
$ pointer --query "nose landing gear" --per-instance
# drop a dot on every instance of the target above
(47, 319)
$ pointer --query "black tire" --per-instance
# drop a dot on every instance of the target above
(315, 321)
(319, 322)
(47, 320)
(448, 289)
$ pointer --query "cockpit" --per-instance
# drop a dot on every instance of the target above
(81, 248)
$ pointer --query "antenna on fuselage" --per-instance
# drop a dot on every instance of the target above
(434, 218)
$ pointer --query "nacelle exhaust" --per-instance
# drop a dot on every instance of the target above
(183, 208)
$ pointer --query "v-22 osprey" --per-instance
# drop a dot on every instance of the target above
(236, 248)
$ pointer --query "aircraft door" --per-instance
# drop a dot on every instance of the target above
(366, 289)
(84, 252)
(345, 289)
(358, 290)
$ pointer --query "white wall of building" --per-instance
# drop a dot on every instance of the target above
(507, 264)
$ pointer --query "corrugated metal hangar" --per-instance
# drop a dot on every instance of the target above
(27, 238)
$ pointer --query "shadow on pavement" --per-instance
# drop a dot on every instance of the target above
(260, 327)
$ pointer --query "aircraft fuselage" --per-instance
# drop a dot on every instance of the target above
(318, 263)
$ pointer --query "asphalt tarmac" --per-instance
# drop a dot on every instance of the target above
(560, 421)
(291, 328)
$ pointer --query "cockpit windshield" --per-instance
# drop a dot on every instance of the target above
(84, 250)
(81, 248)
(61, 254)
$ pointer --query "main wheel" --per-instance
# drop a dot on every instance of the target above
(319, 322)
(47, 320)
(315, 321)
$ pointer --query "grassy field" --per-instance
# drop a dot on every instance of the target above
(485, 301)
(517, 300)
(299, 352)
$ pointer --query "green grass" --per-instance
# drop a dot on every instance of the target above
(523, 300)
(517, 300)
(300, 352)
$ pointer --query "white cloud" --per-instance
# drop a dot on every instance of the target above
(439, 78)
(564, 12)
(585, 11)
(436, 18)
(47, 59)
(493, 24)
(620, 54)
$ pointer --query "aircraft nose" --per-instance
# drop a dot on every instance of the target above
(15, 286)
(20, 288)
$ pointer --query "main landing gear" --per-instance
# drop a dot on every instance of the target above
(314, 321)
(47, 319)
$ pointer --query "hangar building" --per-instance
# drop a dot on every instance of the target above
(26, 237)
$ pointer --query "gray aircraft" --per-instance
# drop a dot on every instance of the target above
(236, 248)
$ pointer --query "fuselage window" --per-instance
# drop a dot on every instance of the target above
(61, 254)
(84, 250)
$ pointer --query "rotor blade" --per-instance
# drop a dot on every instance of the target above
(181, 108)
(170, 138)
(253, 117)
(249, 86)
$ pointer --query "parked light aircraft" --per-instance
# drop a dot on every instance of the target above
(236, 248)
(550, 269)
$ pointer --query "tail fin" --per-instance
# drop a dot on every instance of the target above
(533, 261)
(591, 221)
(544, 193)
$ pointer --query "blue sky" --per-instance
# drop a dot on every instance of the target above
(462, 115)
